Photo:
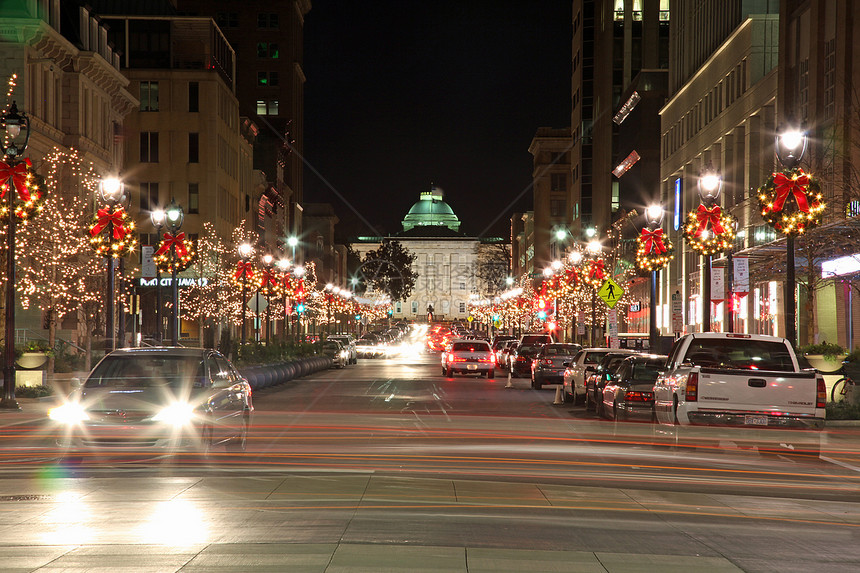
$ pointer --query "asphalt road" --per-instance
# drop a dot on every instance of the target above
(387, 466)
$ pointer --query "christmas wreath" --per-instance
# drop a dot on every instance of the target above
(655, 250)
(29, 188)
(183, 249)
(791, 201)
(120, 240)
(709, 230)
(594, 273)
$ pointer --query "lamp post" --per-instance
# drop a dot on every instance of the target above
(293, 242)
(112, 192)
(157, 218)
(593, 248)
(284, 267)
(268, 261)
(790, 147)
(174, 218)
(15, 124)
(245, 252)
(710, 184)
(653, 219)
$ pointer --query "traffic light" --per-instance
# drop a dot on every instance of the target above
(390, 312)
(357, 317)
(300, 308)
(541, 303)
(541, 314)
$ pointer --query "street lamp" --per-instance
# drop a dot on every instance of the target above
(593, 248)
(15, 123)
(790, 147)
(710, 184)
(174, 218)
(293, 242)
(653, 219)
(157, 218)
(245, 252)
(112, 192)
(284, 268)
(267, 282)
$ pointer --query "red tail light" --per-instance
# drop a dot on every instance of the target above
(546, 362)
(821, 389)
(521, 358)
(692, 393)
(639, 396)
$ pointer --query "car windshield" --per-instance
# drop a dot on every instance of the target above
(560, 350)
(331, 346)
(594, 357)
(740, 353)
(470, 347)
(647, 371)
(142, 371)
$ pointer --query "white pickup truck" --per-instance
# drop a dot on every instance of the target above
(746, 380)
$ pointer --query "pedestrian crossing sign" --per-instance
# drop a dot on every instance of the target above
(610, 292)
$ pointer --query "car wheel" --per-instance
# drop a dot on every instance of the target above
(567, 398)
(537, 384)
(240, 442)
(615, 411)
(588, 404)
(598, 408)
(204, 443)
(491, 374)
(449, 373)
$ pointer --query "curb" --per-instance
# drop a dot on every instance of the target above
(841, 424)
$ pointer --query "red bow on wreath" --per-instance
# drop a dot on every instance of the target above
(712, 216)
(572, 277)
(18, 175)
(786, 186)
(595, 271)
(268, 277)
(653, 241)
(176, 241)
(244, 271)
(106, 217)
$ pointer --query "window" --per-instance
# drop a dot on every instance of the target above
(148, 196)
(148, 96)
(227, 19)
(558, 182)
(557, 207)
(193, 97)
(267, 107)
(149, 147)
(193, 147)
(462, 286)
(462, 307)
(414, 307)
(267, 20)
(267, 79)
(267, 50)
(193, 198)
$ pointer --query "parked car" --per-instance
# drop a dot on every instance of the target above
(348, 342)
(548, 366)
(335, 350)
(596, 380)
(573, 383)
(502, 357)
(520, 359)
(630, 392)
(468, 357)
(499, 342)
(164, 398)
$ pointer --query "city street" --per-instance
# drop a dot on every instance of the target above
(388, 466)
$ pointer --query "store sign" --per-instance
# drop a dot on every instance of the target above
(180, 281)
(636, 306)
(676, 224)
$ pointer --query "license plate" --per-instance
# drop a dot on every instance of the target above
(755, 420)
(472, 366)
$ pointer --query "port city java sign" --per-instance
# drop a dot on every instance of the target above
(180, 281)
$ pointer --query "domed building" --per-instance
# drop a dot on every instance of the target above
(446, 260)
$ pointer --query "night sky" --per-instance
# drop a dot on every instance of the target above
(402, 93)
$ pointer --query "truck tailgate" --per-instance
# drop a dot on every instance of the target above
(757, 391)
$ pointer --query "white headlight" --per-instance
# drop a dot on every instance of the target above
(177, 414)
(68, 413)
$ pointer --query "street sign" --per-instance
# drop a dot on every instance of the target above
(470, 319)
(497, 323)
(677, 313)
(257, 303)
(610, 292)
(612, 318)
(147, 264)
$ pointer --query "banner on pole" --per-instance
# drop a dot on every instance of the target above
(741, 275)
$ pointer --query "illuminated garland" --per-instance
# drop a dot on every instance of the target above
(709, 230)
(121, 241)
(29, 190)
(804, 209)
(655, 250)
(183, 249)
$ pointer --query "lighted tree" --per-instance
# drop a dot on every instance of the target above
(58, 271)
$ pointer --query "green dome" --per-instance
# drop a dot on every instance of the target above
(431, 210)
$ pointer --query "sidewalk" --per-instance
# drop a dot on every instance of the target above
(32, 410)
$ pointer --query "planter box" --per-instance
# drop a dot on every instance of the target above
(31, 360)
(825, 364)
